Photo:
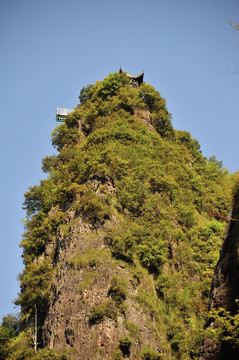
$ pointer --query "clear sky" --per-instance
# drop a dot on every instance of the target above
(51, 48)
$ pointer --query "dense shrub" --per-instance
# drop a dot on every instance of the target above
(149, 354)
(111, 84)
(124, 346)
(99, 312)
(226, 327)
(117, 289)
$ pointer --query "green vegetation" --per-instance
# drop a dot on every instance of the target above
(168, 204)
(105, 310)
(149, 354)
(123, 349)
(8, 331)
(20, 347)
(226, 326)
(118, 355)
(88, 281)
(117, 289)
(90, 257)
(132, 328)
(124, 345)
(35, 285)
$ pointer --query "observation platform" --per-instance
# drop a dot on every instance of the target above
(61, 113)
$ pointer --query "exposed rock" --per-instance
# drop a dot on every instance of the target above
(76, 289)
(225, 288)
(144, 115)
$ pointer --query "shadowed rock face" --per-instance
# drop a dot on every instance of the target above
(225, 288)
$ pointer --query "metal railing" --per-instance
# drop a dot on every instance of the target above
(63, 111)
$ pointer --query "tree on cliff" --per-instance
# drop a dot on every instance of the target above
(147, 192)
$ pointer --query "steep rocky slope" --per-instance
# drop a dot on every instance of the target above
(123, 237)
(93, 298)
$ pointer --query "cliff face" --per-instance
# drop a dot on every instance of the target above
(225, 288)
(85, 312)
(121, 242)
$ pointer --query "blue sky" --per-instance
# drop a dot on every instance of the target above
(51, 48)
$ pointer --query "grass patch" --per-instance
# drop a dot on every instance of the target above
(88, 281)
(90, 257)
(132, 328)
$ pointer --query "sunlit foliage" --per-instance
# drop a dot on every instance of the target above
(170, 202)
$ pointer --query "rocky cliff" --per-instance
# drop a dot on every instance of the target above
(123, 237)
(225, 289)
(93, 296)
